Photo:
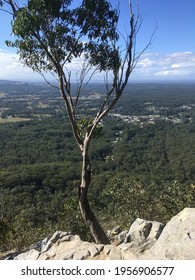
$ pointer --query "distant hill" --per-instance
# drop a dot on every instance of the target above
(11, 82)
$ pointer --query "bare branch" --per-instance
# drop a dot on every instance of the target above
(70, 115)
(121, 76)
(46, 80)
(6, 11)
(83, 81)
(13, 6)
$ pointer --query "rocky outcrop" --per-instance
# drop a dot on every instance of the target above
(141, 236)
(143, 231)
(64, 246)
(177, 241)
(144, 240)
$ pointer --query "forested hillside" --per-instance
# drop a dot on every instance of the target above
(143, 160)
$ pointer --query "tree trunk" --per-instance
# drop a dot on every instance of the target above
(87, 214)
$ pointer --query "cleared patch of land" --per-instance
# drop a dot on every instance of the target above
(2, 94)
(12, 119)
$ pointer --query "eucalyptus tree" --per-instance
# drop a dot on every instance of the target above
(50, 35)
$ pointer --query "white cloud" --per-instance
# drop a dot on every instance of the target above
(151, 66)
(12, 69)
(175, 66)
(179, 65)
(146, 62)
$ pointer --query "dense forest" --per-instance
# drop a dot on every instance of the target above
(143, 159)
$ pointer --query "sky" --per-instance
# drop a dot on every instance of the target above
(171, 55)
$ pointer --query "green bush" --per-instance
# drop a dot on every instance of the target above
(126, 200)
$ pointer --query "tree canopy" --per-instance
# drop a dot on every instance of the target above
(52, 33)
